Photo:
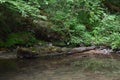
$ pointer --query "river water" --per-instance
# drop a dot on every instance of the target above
(48, 69)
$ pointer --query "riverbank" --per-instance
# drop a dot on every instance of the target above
(51, 51)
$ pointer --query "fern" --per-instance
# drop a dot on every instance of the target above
(24, 8)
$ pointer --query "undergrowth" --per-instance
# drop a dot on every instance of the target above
(19, 38)
(87, 22)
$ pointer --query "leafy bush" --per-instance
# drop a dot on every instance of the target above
(1, 43)
(80, 21)
(75, 17)
(20, 38)
(26, 9)
(107, 32)
(14, 15)
(84, 21)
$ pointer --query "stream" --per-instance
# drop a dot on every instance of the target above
(48, 69)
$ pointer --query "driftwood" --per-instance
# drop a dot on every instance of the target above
(52, 51)
(80, 49)
(27, 53)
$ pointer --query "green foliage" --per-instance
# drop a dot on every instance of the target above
(108, 31)
(115, 40)
(13, 15)
(84, 21)
(1, 43)
(79, 21)
(26, 9)
(19, 38)
(75, 17)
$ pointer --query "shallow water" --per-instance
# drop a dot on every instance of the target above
(48, 69)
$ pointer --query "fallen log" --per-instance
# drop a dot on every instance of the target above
(80, 49)
(27, 53)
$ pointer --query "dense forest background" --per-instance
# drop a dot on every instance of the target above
(62, 22)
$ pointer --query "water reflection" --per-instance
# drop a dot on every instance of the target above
(46, 69)
(7, 65)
